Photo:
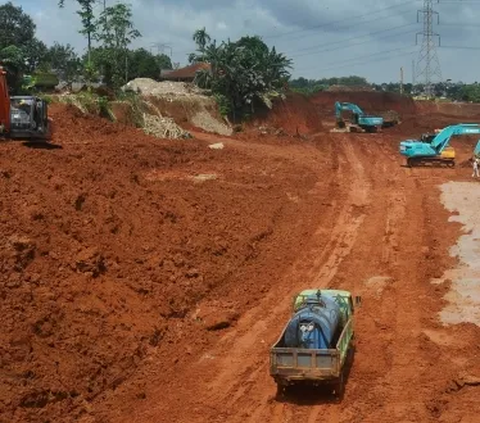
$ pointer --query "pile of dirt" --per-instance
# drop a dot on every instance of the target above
(111, 242)
(458, 109)
(192, 113)
(189, 106)
(294, 115)
(165, 89)
(369, 102)
(337, 88)
(161, 127)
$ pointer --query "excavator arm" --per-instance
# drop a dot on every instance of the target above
(418, 151)
(442, 139)
(361, 120)
(341, 106)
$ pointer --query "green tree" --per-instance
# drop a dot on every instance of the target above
(201, 38)
(163, 61)
(21, 52)
(116, 33)
(87, 17)
(36, 55)
(100, 64)
(63, 60)
(16, 27)
(243, 74)
(144, 64)
(12, 58)
(470, 92)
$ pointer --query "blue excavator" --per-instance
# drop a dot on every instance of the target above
(434, 149)
(361, 122)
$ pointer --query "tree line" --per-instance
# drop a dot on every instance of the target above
(108, 57)
(454, 91)
(243, 75)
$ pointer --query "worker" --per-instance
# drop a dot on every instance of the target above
(475, 173)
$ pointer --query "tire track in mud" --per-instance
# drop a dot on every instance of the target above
(243, 390)
(322, 270)
(238, 363)
(325, 267)
(369, 272)
(381, 389)
(365, 250)
(376, 254)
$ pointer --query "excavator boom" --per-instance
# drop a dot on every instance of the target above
(361, 120)
(437, 151)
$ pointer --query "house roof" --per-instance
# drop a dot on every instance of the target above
(186, 72)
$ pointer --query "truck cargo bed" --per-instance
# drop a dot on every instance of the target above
(290, 365)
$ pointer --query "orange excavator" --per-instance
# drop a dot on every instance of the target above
(22, 117)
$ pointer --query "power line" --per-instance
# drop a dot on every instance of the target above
(332, 24)
(364, 62)
(356, 44)
(460, 47)
(355, 17)
(360, 59)
(428, 65)
(349, 26)
(355, 37)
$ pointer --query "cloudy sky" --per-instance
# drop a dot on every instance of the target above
(372, 38)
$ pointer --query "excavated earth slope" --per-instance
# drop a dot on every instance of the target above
(145, 280)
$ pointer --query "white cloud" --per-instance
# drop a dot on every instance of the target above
(330, 38)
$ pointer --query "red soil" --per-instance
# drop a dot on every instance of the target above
(370, 102)
(133, 292)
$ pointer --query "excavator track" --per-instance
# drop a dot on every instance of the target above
(430, 162)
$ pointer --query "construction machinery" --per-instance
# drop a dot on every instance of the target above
(476, 152)
(361, 122)
(22, 117)
(434, 149)
(317, 342)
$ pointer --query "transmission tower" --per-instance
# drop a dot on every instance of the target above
(428, 65)
(161, 47)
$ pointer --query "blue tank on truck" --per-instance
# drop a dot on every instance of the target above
(314, 325)
(317, 342)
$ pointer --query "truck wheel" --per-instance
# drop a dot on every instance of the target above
(339, 387)
(281, 391)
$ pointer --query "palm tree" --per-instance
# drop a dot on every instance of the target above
(201, 38)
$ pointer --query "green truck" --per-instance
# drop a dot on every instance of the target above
(317, 343)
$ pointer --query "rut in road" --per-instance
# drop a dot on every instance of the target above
(240, 388)
(369, 241)
(391, 379)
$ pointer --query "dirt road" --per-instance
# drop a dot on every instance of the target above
(384, 236)
(144, 280)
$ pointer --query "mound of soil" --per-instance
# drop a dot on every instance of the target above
(293, 116)
(370, 102)
(464, 110)
(109, 244)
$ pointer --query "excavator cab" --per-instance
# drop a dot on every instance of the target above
(22, 117)
(29, 118)
(428, 138)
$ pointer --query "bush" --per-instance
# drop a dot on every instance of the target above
(243, 75)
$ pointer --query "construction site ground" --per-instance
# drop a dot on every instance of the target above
(145, 280)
